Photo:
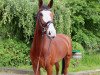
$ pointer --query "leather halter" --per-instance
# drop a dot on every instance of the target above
(45, 25)
(44, 28)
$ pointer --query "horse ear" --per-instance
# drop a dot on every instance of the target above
(40, 3)
(50, 4)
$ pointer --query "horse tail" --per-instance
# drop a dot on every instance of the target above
(63, 66)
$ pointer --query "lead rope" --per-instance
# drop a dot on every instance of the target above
(42, 48)
(39, 57)
(48, 51)
(40, 54)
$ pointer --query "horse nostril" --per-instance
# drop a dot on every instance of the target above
(53, 37)
(49, 33)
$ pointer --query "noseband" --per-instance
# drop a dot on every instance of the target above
(44, 28)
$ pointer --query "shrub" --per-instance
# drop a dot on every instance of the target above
(77, 46)
(16, 18)
(13, 53)
(88, 40)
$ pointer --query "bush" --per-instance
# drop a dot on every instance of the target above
(77, 46)
(88, 40)
(62, 17)
(13, 53)
(16, 18)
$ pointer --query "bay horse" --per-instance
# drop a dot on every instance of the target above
(48, 48)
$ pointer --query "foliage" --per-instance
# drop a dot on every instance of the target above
(85, 23)
(89, 41)
(13, 53)
(77, 46)
(62, 17)
(16, 18)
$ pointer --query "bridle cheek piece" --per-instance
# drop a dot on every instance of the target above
(44, 28)
(45, 25)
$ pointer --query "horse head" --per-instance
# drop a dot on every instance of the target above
(45, 19)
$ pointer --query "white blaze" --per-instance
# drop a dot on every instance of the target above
(51, 32)
(46, 16)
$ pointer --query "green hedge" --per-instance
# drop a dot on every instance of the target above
(13, 53)
(77, 46)
(88, 40)
(16, 18)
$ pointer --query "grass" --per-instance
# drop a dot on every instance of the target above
(88, 62)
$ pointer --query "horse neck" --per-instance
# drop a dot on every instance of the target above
(37, 36)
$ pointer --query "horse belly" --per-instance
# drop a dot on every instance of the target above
(60, 49)
(61, 53)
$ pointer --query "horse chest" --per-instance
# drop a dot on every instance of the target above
(43, 61)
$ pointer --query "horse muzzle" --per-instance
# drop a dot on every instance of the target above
(51, 32)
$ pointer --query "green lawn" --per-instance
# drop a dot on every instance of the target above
(88, 62)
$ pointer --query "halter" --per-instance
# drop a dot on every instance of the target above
(44, 26)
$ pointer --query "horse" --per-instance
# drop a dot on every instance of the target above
(48, 48)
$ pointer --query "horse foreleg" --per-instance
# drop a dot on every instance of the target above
(36, 69)
(49, 70)
(36, 72)
(57, 68)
